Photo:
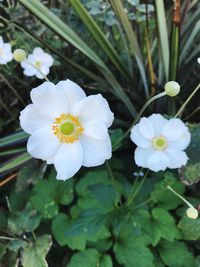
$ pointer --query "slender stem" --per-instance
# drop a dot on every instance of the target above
(38, 69)
(8, 111)
(187, 101)
(12, 89)
(191, 114)
(182, 198)
(135, 192)
(138, 116)
(8, 238)
(143, 203)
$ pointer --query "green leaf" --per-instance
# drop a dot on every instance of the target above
(130, 248)
(190, 174)
(190, 228)
(16, 245)
(13, 139)
(163, 35)
(3, 248)
(99, 36)
(116, 135)
(15, 163)
(49, 193)
(164, 223)
(24, 221)
(60, 225)
(176, 254)
(163, 197)
(34, 253)
(90, 258)
(132, 38)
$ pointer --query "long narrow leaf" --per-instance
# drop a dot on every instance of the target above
(98, 35)
(131, 36)
(163, 35)
(13, 139)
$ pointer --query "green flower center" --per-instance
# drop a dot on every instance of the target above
(67, 128)
(38, 64)
(159, 143)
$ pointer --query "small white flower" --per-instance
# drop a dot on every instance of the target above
(40, 60)
(198, 60)
(160, 143)
(67, 128)
(5, 52)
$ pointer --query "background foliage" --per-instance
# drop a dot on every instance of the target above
(117, 214)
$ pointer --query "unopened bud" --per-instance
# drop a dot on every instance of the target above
(19, 55)
(192, 213)
(172, 88)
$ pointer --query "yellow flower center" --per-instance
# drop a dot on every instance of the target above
(38, 64)
(159, 143)
(67, 128)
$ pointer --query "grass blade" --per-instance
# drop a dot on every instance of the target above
(99, 36)
(163, 35)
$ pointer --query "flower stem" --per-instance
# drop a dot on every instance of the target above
(187, 101)
(177, 194)
(38, 69)
(138, 116)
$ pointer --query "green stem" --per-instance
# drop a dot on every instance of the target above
(187, 101)
(38, 69)
(12, 89)
(182, 198)
(138, 116)
(135, 192)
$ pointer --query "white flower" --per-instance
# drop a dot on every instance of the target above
(5, 52)
(198, 60)
(41, 60)
(67, 128)
(160, 143)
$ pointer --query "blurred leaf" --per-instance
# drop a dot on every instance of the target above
(116, 135)
(130, 249)
(163, 35)
(190, 228)
(24, 221)
(13, 139)
(132, 38)
(60, 225)
(99, 36)
(163, 197)
(90, 258)
(16, 245)
(3, 248)
(176, 254)
(34, 253)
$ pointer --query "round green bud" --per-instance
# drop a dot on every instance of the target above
(172, 88)
(19, 55)
(192, 213)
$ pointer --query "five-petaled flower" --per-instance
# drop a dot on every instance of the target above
(67, 128)
(37, 64)
(160, 142)
(5, 52)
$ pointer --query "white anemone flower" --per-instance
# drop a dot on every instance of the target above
(5, 52)
(38, 60)
(198, 60)
(67, 128)
(160, 143)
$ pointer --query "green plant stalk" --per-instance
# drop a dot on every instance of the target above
(163, 35)
(178, 114)
(139, 115)
(174, 53)
(179, 196)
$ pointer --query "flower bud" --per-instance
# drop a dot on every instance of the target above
(172, 88)
(192, 213)
(19, 55)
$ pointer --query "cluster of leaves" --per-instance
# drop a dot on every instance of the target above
(95, 220)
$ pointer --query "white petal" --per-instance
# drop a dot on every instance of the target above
(1, 41)
(96, 130)
(181, 143)
(94, 107)
(174, 129)
(73, 92)
(138, 138)
(177, 158)
(158, 161)
(142, 155)
(29, 72)
(158, 122)
(95, 152)
(68, 160)
(7, 48)
(47, 60)
(38, 51)
(43, 144)
(31, 120)
(49, 100)
(145, 128)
